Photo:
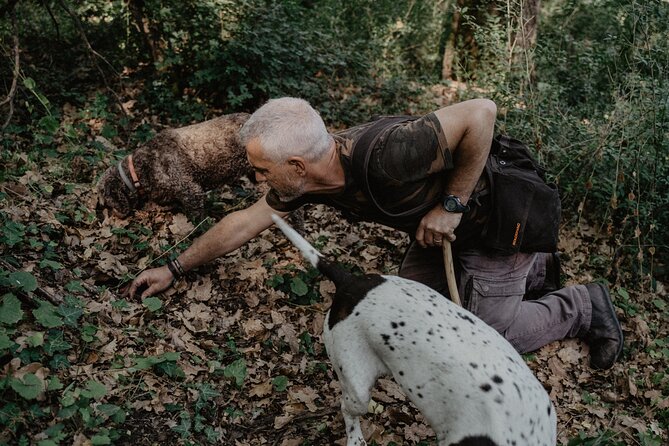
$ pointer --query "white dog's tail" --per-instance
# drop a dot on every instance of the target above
(333, 272)
(308, 251)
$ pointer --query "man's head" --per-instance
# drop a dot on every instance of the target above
(281, 138)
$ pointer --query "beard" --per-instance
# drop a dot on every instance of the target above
(290, 189)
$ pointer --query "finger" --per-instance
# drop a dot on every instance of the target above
(437, 238)
(137, 283)
(150, 291)
(450, 236)
(132, 289)
(420, 235)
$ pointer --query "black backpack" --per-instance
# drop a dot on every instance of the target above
(525, 209)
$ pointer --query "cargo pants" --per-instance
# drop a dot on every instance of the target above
(494, 287)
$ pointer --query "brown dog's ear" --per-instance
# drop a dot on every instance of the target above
(114, 193)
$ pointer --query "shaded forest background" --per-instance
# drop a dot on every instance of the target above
(584, 82)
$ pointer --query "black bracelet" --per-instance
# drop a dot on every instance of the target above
(173, 270)
(177, 264)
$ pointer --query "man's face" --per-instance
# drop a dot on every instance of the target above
(282, 176)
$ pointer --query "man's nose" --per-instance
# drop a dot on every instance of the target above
(260, 177)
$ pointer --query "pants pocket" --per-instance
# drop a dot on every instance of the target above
(496, 302)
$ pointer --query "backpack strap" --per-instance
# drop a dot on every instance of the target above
(361, 153)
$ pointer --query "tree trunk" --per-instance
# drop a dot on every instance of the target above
(524, 38)
(462, 38)
(449, 51)
(144, 27)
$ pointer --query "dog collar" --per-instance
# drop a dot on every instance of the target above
(134, 185)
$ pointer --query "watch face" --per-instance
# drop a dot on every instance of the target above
(451, 204)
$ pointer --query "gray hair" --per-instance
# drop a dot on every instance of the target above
(287, 127)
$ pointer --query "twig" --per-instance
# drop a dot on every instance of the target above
(56, 300)
(297, 419)
(94, 54)
(15, 77)
(53, 18)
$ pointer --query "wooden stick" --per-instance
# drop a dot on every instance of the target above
(450, 273)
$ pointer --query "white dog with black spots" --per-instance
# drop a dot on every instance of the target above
(471, 385)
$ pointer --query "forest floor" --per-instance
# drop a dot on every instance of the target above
(232, 354)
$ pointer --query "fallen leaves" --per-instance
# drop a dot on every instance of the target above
(225, 327)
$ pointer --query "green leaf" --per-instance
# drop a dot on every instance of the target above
(152, 304)
(36, 339)
(100, 439)
(5, 342)
(56, 342)
(236, 370)
(94, 390)
(170, 356)
(74, 286)
(29, 387)
(280, 383)
(55, 435)
(68, 399)
(49, 124)
(120, 304)
(148, 362)
(171, 369)
(70, 314)
(13, 233)
(47, 316)
(23, 280)
(50, 264)
(298, 287)
(54, 384)
(206, 392)
(10, 310)
(29, 83)
(108, 409)
(183, 429)
(88, 333)
(145, 363)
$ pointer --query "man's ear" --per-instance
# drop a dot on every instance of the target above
(298, 164)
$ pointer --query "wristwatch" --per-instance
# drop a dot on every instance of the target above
(453, 204)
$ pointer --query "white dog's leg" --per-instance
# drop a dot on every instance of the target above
(353, 405)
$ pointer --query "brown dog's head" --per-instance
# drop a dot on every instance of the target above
(115, 194)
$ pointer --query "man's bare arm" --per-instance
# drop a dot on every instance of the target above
(468, 127)
(230, 233)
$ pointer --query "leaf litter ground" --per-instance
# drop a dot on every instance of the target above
(232, 353)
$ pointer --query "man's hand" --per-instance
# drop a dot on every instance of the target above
(437, 225)
(152, 281)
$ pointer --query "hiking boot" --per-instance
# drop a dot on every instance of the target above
(605, 336)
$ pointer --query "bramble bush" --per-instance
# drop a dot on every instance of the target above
(596, 112)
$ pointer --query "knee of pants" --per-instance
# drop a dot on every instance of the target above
(495, 301)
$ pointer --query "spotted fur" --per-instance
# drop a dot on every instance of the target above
(179, 165)
(471, 385)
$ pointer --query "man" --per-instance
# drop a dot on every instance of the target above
(423, 176)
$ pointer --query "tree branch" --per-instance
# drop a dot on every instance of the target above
(15, 77)
(53, 298)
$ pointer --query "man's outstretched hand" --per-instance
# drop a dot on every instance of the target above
(150, 282)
